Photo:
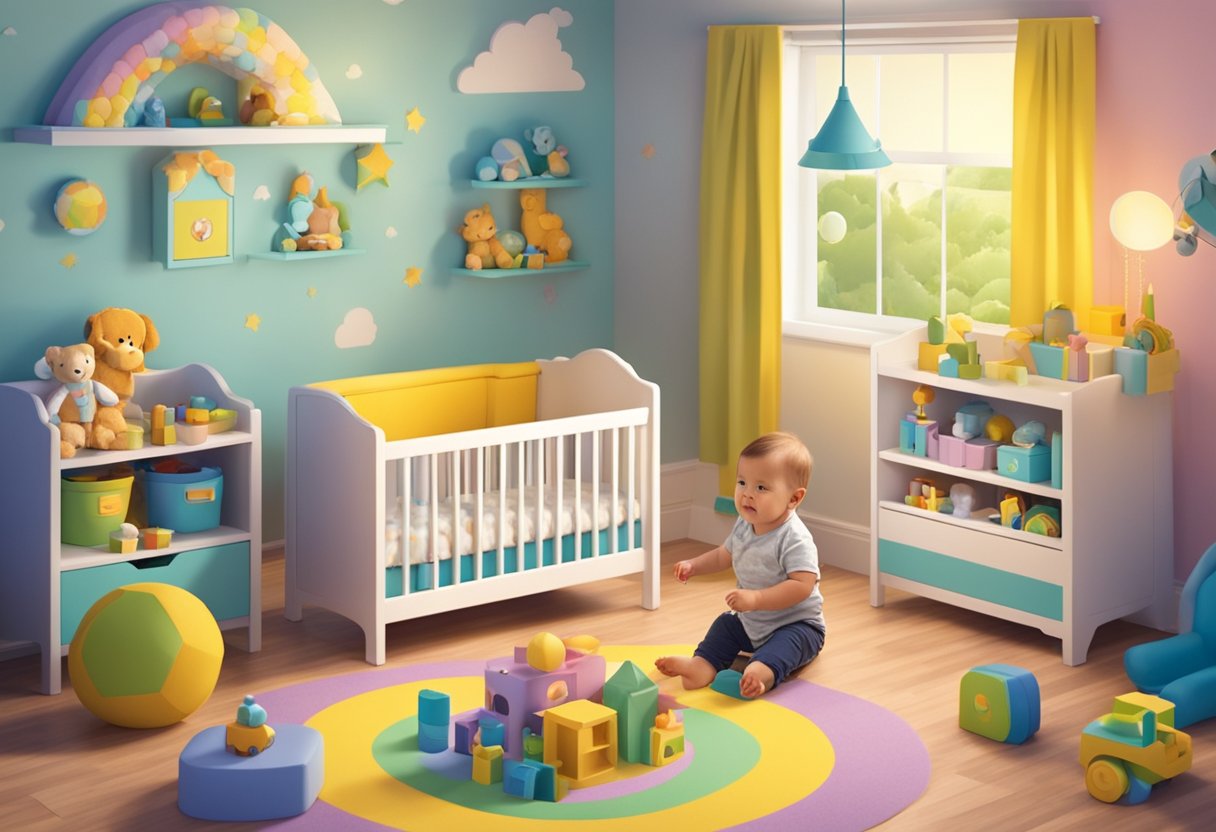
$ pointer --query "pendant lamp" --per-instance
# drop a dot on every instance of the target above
(843, 142)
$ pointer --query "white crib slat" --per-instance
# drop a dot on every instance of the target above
(479, 507)
(520, 452)
(631, 453)
(596, 447)
(614, 495)
(502, 503)
(541, 478)
(578, 496)
(433, 467)
(559, 511)
(457, 526)
(407, 498)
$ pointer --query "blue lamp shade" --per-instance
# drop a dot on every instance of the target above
(843, 142)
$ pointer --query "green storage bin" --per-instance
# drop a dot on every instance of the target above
(91, 508)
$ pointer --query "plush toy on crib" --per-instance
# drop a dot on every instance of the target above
(485, 249)
(73, 367)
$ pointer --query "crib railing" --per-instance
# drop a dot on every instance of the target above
(601, 449)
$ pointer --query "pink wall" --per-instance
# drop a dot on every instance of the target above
(1156, 65)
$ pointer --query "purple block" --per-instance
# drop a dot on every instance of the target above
(466, 729)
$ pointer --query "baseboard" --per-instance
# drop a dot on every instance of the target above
(1165, 620)
(840, 544)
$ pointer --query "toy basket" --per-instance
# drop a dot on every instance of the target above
(91, 507)
(186, 500)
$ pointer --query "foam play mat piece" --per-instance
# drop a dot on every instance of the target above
(802, 756)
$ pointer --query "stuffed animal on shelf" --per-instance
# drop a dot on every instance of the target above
(74, 404)
(543, 229)
(485, 249)
(313, 224)
(545, 155)
(510, 160)
(258, 108)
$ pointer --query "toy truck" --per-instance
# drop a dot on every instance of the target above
(1128, 751)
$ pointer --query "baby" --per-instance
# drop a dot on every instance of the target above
(776, 613)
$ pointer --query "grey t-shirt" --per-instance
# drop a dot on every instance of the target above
(761, 561)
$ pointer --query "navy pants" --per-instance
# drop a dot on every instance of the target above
(787, 649)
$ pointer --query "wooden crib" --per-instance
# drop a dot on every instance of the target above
(418, 492)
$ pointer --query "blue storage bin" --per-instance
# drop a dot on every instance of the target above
(184, 502)
(1026, 464)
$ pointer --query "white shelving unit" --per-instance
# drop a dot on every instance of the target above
(1114, 557)
(198, 136)
(45, 585)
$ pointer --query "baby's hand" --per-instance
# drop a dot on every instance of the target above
(683, 571)
(742, 600)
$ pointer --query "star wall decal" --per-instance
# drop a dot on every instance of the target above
(68, 261)
(413, 276)
(414, 120)
(373, 165)
(312, 291)
(253, 321)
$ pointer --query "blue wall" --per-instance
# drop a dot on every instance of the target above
(410, 55)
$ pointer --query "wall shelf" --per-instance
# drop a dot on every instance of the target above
(283, 256)
(57, 136)
(532, 182)
(566, 266)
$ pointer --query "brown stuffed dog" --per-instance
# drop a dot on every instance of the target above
(120, 339)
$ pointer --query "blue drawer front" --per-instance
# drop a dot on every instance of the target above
(219, 576)
(995, 585)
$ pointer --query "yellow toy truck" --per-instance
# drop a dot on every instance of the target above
(1128, 751)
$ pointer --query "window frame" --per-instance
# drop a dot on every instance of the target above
(800, 250)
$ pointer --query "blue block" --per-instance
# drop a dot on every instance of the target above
(1026, 464)
(493, 732)
(907, 437)
(281, 782)
(434, 708)
(519, 779)
(466, 727)
(727, 682)
(1012, 694)
(1132, 365)
(432, 739)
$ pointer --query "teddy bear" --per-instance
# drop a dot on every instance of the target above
(485, 249)
(313, 223)
(545, 156)
(73, 367)
(121, 338)
(543, 229)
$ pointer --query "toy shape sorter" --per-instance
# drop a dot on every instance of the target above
(1000, 702)
(540, 733)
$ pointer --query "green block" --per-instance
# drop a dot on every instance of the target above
(635, 698)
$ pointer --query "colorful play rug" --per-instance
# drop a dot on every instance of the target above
(803, 757)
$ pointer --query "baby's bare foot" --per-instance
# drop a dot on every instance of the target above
(757, 678)
(693, 671)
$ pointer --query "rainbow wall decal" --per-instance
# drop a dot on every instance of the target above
(113, 80)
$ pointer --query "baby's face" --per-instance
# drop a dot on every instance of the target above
(763, 493)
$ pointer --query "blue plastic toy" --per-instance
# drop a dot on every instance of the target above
(1000, 702)
(727, 682)
(1182, 668)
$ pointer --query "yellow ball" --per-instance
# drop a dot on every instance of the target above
(999, 429)
(546, 652)
(80, 207)
(146, 655)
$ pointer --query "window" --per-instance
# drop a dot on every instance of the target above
(930, 234)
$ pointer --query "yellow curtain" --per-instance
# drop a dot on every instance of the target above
(740, 243)
(1053, 169)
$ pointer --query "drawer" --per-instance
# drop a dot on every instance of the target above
(970, 561)
(218, 575)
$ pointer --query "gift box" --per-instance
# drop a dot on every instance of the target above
(1146, 373)
(979, 454)
(1049, 361)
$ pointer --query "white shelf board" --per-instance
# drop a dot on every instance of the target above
(198, 136)
(89, 458)
(977, 522)
(83, 557)
(1043, 489)
(1039, 390)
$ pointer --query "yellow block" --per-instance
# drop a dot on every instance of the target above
(1161, 370)
(928, 356)
(1107, 320)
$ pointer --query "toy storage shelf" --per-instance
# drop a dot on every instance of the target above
(534, 182)
(35, 566)
(290, 256)
(492, 274)
(57, 136)
(1114, 556)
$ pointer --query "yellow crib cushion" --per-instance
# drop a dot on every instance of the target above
(442, 400)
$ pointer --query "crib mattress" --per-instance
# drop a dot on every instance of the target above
(423, 575)
(575, 497)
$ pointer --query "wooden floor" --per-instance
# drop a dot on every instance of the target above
(61, 768)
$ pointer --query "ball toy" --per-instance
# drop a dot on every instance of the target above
(146, 655)
(546, 652)
(80, 207)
